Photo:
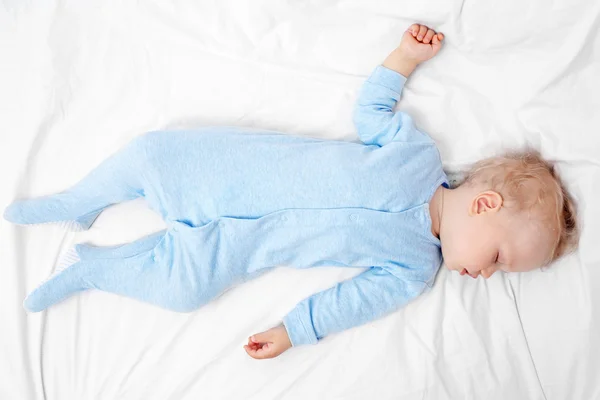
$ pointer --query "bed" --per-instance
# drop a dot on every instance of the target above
(81, 79)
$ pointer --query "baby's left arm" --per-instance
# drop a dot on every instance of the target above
(376, 122)
(370, 295)
(418, 44)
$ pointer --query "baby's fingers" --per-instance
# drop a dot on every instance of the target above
(436, 42)
(266, 351)
(428, 36)
(422, 32)
(251, 352)
(413, 29)
(253, 346)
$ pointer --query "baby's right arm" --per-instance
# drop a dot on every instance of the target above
(370, 295)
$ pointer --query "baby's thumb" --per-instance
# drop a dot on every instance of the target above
(262, 337)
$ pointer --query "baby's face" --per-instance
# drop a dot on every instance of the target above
(495, 240)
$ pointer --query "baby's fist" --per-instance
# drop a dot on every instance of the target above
(268, 344)
(420, 43)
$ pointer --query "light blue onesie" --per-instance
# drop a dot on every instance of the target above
(238, 202)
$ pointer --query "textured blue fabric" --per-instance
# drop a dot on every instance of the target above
(239, 202)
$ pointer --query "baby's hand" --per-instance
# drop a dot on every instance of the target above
(418, 44)
(268, 344)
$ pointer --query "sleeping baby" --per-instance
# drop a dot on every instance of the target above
(240, 202)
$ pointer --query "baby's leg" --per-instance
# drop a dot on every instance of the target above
(119, 178)
(157, 269)
(82, 265)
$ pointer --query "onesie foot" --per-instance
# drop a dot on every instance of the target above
(18, 214)
(59, 285)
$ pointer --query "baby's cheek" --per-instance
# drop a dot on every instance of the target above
(449, 247)
(457, 253)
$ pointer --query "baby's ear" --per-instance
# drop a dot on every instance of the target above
(484, 202)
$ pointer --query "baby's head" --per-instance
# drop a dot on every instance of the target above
(511, 213)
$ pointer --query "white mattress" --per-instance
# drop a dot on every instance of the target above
(80, 79)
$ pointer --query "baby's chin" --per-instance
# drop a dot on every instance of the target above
(451, 268)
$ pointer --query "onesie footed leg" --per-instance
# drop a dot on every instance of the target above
(119, 178)
(84, 267)
(40, 211)
(62, 283)
(144, 270)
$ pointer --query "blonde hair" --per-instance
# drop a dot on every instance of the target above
(529, 183)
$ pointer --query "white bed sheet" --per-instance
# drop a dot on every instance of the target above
(80, 79)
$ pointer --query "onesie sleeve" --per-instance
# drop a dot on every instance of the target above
(374, 117)
(369, 295)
